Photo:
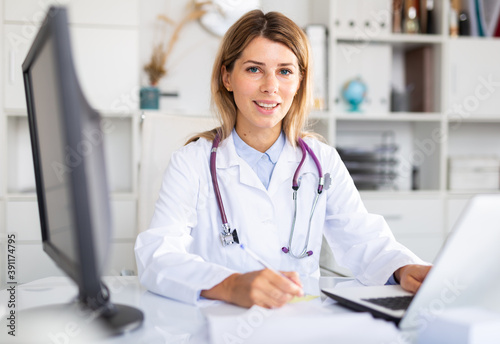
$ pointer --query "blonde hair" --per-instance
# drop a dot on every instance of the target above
(277, 28)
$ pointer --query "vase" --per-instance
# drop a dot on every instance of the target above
(150, 98)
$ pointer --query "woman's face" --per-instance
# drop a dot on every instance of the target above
(264, 80)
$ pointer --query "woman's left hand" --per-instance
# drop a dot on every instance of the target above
(411, 276)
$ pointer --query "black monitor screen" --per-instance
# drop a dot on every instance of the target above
(51, 143)
(70, 172)
(71, 183)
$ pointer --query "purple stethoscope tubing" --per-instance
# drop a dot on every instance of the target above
(213, 172)
(304, 147)
(295, 186)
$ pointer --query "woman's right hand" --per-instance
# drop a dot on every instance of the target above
(263, 288)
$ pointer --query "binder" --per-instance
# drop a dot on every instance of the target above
(419, 76)
(479, 17)
(411, 21)
(376, 17)
(362, 19)
(491, 12)
(497, 30)
(430, 20)
(487, 12)
(423, 16)
(469, 6)
(317, 35)
(397, 18)
(347, 18)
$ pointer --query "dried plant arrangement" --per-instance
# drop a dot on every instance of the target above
(155, 69)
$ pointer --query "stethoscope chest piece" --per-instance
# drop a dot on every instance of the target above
(229, 238)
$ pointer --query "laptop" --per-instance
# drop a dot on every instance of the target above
(465, 273)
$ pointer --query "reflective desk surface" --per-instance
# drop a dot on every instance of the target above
(45, 313)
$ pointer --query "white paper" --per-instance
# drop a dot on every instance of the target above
(298, 323)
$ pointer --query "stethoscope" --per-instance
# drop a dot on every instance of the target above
(230, 237)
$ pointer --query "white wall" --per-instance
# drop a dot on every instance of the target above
(190, 64)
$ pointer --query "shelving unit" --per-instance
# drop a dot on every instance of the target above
(420, 218)
(105, 39)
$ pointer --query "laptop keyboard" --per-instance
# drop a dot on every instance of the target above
(395, 303)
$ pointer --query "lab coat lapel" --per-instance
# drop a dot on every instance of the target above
(228, 159)
(287, 164)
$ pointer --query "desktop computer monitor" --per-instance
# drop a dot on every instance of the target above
(71, 186)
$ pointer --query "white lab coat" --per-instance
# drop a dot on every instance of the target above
(181, 253)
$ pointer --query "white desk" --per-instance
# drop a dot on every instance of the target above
(169, 321)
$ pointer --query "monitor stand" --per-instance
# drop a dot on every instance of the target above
(122, 318)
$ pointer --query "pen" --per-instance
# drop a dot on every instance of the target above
(262, 262)
(258, 259)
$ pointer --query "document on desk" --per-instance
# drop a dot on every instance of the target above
(297, 323)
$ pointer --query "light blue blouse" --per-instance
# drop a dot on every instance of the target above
(262, 163)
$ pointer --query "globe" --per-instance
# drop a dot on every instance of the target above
(354, 92)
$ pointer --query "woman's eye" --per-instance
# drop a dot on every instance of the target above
(253, 69)
(285, 72)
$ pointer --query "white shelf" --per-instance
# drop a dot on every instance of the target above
(470, 193)
(24, 197)
(475, 39)
(395, 39)
(475, 119)
(105, 113)
(394, 116)
(123, 196)
(11, 112)
(402, 194)
(118, 115)
(203, 113)
(20, 197)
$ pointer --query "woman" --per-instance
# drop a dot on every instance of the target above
(261, 91)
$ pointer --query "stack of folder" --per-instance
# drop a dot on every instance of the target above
(372, 167)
